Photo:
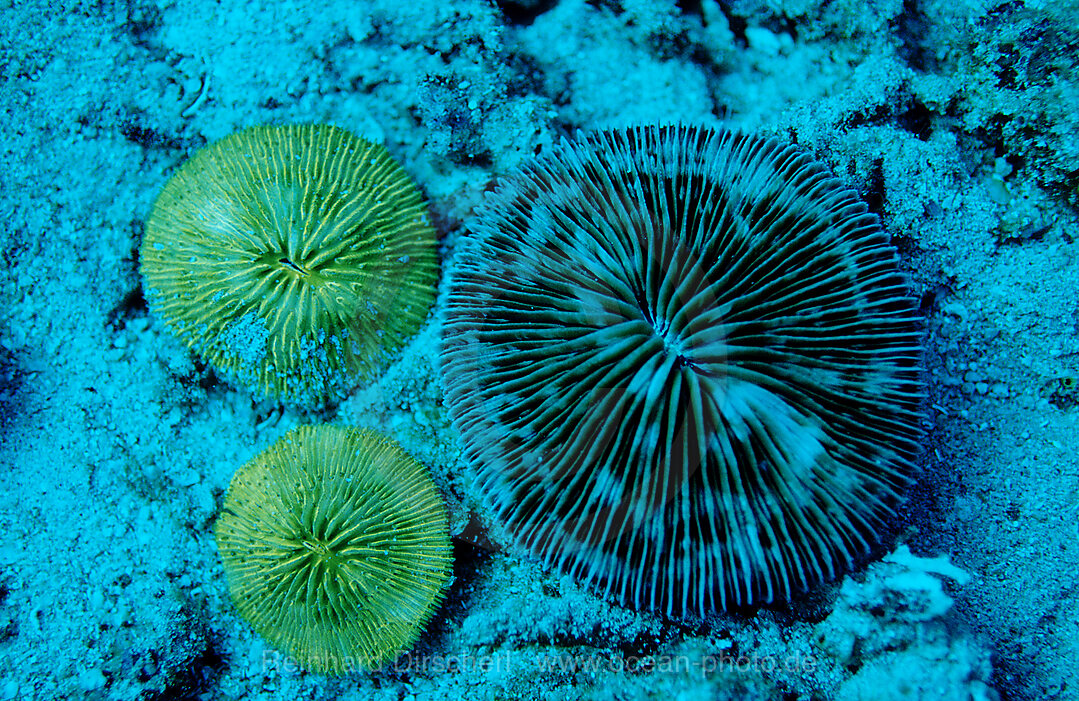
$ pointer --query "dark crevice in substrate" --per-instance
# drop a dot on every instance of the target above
(912, 29)
(132, 305)
(523, 13)
(151, 138)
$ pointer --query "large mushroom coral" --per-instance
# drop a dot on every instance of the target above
(685, 366)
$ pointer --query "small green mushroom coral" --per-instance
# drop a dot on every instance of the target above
(335, 544)
(293, 259)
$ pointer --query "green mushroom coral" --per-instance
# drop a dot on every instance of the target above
(336, 547)
(293, 259)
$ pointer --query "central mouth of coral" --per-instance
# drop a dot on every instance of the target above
(673, 344)
(291, 264)
(317, 547)
(288, 263)
(283, 260)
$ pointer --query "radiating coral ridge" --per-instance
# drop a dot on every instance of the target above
(336, 547)
(685, 366)
(293, 259)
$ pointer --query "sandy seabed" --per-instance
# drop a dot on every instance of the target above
(955, 121)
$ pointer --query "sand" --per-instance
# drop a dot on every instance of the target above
(954, 119)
